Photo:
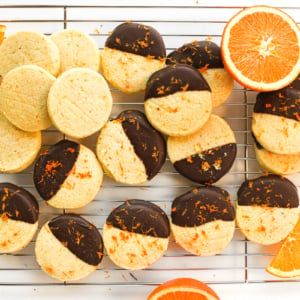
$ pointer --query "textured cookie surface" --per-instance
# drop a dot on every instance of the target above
(79, 102)
(267, 208)
(177, 100)
(206, 155)
(203, 220)
(19, 212)
(67, 175)
(132, 53)
(206, 57)
(130, 149)
(17, 50)
(23, 97)
(136, 234)
(18, 148)
(276, 120)
(69, 247)
(76, 49)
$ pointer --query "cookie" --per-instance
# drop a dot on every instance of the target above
(136, 234)
(177, 100)
(131, 54)
(203, 220)
(281, 164)
(206, 57)
(18, 149)
(267, 208)
(23, 97)
(2, 32)
(76, 49)
(29, 48)
(79, 102)
(207, 155)
(69, 247)
(67, 175)
(130, 150)
(276, 120)
(19, 213)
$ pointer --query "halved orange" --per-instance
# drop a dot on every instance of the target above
(261, 48)
(286, 263)
(2, 32)
(183, 289)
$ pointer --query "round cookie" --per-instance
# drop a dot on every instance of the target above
(136, 234)
(69, 247)
(203, 220)
(76, 49)
(131, 54)
(277, 163)
(276, 120)
(29, 48)
(79, 102)
(130, 150)
(207, 155)
(19, 213)
(23, 97)
(206, 57)
(177, 100)
(67, 175)
(267, 208)
(18, 149)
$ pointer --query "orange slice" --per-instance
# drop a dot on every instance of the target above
(261, 48)
(286, 263)
(2, 32)
(183, 289)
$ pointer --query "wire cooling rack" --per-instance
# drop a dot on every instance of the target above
(178, 22)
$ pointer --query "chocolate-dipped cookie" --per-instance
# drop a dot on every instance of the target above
(203, 220)
(131, 54)
(267, 208)
(276, 120)
(19, 213)
(67, 175)
(130, 150)
(136, 234)
(206, 57)
(177, 100)
(69, 247)
(207, 155)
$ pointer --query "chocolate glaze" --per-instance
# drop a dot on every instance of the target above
(296, 83)
(80, 236)
(268, 190)
(202, 205)
(139, 216)
(199, 54)
(172, 79)
(284, 103)
(53, 167)
(149, 144)
(18, 204)
(137, 39)
(208, 166)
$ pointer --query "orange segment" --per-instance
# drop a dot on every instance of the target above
(287, 261)
(2, 32)
(183, 289)
(261, 48)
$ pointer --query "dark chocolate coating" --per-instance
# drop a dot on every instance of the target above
(18, 204)
(139, 216)
(80, 236)
(202, 205)
(149, 144)
(268, 190)
(199, 54)
(137, 39)
(172, 79)
(296, 83)
(53, 167)
(284, 103)
(208, 166)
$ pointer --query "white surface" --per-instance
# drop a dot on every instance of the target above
(178, 21)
